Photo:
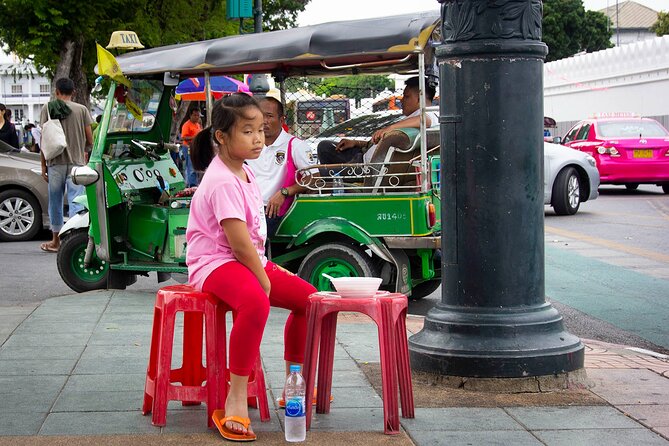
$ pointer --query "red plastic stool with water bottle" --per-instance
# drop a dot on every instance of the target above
(388, 311)
(198, 383)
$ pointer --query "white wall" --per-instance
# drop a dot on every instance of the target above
(629, 78)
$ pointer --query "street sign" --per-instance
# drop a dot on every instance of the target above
(239, 9)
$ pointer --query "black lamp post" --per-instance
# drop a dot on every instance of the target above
(493, 319)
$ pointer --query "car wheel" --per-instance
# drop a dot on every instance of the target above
(424, 289)
(71, 266)
(336, 260)
(665, 188)
(566, 197)
(632, 186)
(20, 216)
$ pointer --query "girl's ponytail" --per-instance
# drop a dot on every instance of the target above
(202, 150)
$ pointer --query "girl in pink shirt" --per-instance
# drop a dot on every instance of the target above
(226, 249)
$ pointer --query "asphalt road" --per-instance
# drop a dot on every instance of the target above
(627, 225)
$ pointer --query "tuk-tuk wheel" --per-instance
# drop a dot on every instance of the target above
(71, 266)
(336, 260)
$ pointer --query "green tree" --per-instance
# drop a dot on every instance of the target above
(569, 29)
(59, 35)
(661, 27)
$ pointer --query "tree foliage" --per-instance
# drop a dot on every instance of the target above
(59, 35)
(661, 27)
(569, 29)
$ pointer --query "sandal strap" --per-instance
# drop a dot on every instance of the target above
(236, 419)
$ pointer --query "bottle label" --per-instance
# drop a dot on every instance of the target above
(295, 407)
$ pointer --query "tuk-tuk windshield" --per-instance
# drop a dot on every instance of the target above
(146, 95)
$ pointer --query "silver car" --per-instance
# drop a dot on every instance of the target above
(24, 195)
(570, 178)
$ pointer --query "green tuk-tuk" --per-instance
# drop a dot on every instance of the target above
(375, 219)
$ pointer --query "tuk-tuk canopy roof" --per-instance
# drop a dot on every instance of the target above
(299, 51)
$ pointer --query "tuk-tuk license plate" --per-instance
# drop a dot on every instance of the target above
(643, 153)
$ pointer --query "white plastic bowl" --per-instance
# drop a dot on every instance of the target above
(356, 287)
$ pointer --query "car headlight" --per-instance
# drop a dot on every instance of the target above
(591, 160)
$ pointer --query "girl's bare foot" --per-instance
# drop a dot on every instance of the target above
(238, 407)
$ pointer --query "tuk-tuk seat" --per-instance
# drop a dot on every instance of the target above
(394, 156)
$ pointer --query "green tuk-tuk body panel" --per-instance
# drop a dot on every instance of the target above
(380, 215)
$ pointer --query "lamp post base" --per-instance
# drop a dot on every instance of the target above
(495, 343)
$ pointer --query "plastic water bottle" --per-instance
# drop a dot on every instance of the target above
(296, 419)
(337, 185)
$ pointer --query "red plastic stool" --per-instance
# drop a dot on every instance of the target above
(388, 310)
(198, 307)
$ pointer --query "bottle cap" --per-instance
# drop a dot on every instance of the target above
(295, 368)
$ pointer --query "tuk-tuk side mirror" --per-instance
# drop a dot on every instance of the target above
(171, 79)
(557, 140)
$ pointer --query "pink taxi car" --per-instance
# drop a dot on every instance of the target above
(629, 150)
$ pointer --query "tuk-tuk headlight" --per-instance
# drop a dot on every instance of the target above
(84, 175)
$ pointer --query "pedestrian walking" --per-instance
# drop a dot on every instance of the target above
(76, 121)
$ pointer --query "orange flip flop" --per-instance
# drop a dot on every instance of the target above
(220, 419)
(282, 402)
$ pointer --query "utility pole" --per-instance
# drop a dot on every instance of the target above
(257, 16)
(617, 26)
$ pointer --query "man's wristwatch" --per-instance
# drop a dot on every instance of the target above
(285, 192)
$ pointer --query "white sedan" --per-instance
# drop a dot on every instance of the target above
(570, 178)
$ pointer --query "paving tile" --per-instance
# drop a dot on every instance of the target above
(36, 366)
(35, 352)
(94, 365)
(21, 423)
(348, 420)
(461, 419)
(26, 402)
(105, 383)
(626, 376)
(468, 438)
(23, 384)
(573, 417)
(663, 431)
(587, 437)
(53, 340)
(632, 394)
(117, 401)
(655, 415)
(92, 423)
(53, 328)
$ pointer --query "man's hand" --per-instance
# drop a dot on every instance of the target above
(378, 135)
(45, 175)
(345, 144)
(274, 204)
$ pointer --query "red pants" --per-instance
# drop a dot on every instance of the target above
(239, 288)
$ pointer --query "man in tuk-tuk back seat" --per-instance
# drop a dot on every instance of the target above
(356, 151)
(392, 158)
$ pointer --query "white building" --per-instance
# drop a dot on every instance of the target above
(629, 78)
(630, 22)
(24, 91)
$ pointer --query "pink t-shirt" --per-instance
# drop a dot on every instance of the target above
(221, 195)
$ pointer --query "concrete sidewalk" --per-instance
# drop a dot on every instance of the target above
(72, 372)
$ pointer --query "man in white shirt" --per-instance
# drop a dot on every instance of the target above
(273, 171)
(356, 151)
